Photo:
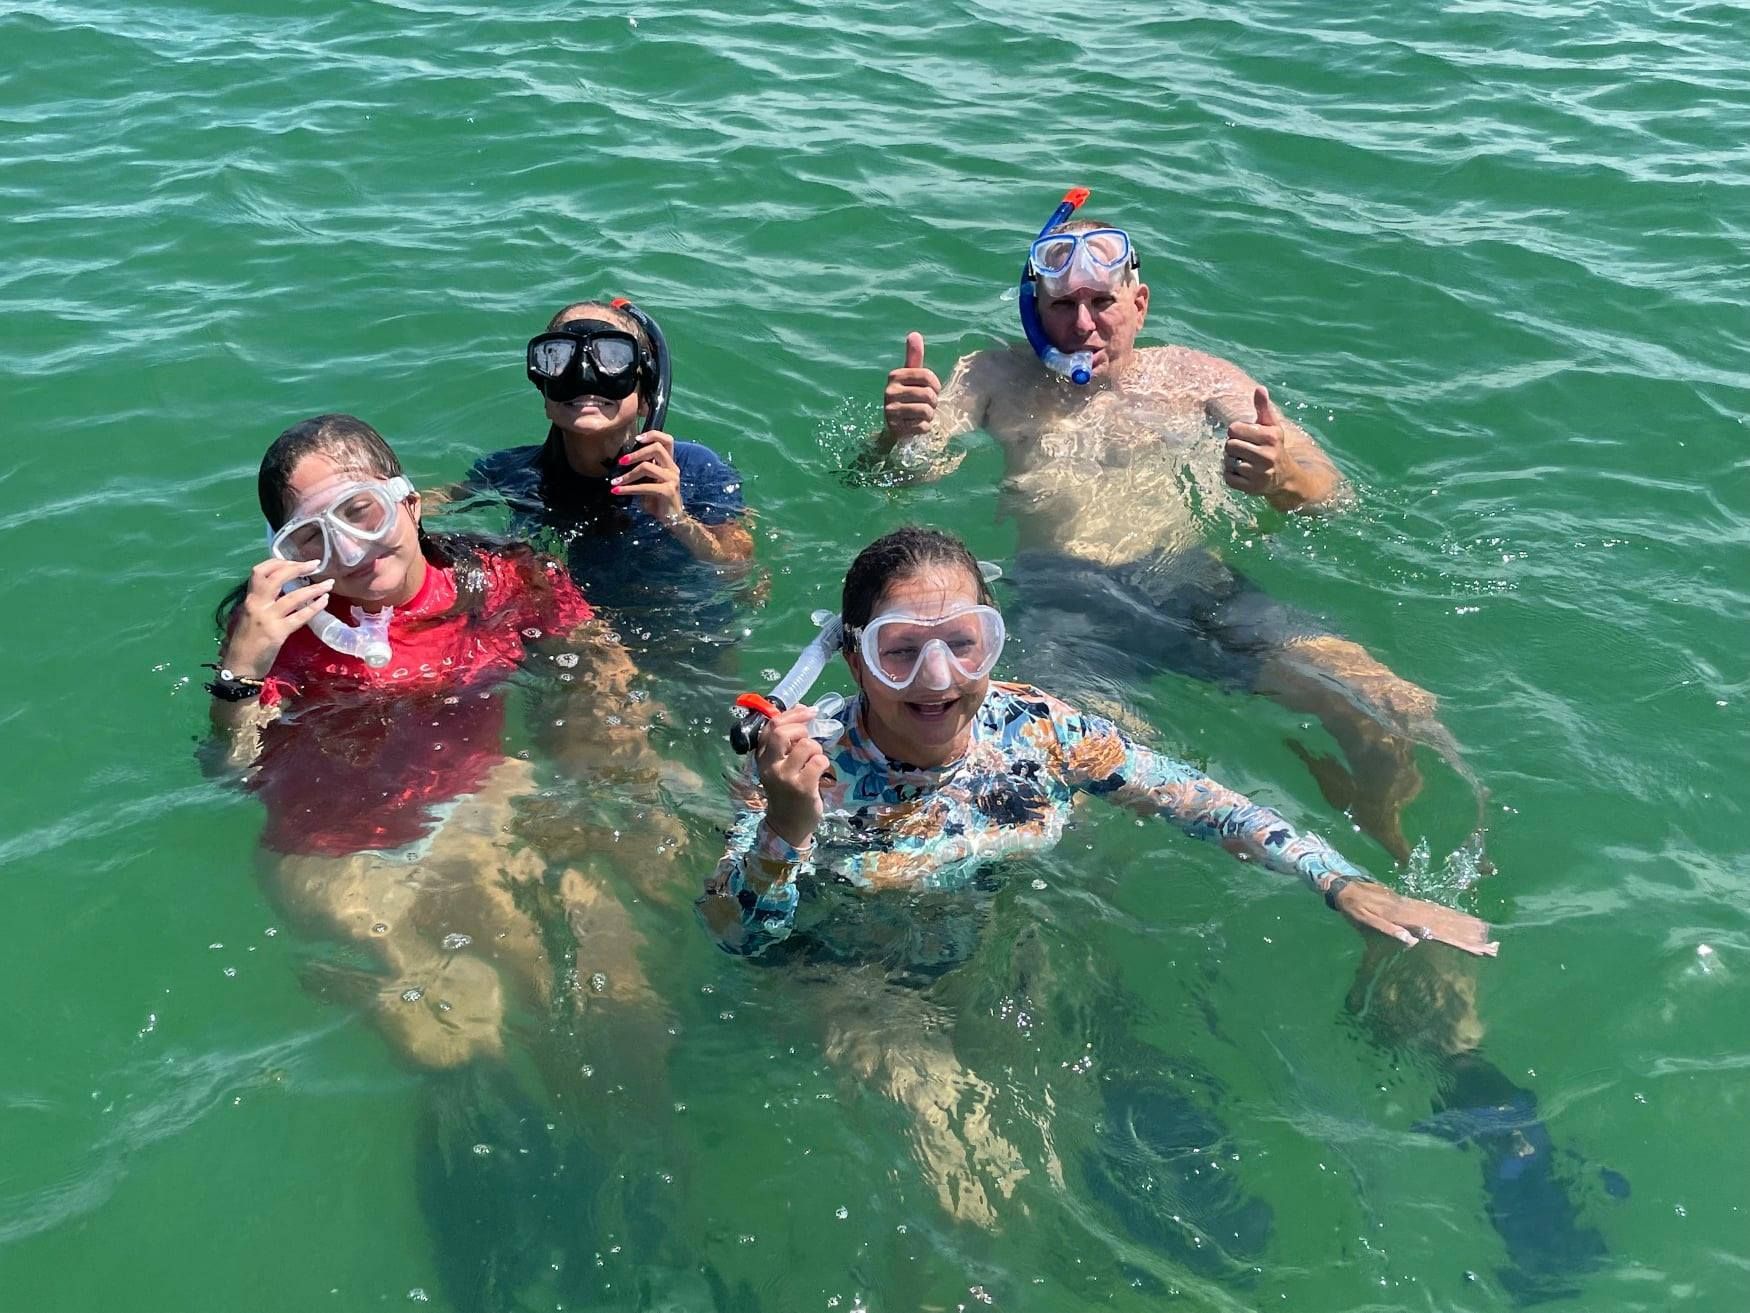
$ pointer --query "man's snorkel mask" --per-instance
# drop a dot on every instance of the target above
(1101, 257)
(594, 358)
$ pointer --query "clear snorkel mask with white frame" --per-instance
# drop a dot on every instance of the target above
(341, 529)
(961, 646)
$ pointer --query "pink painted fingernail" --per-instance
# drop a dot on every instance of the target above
(626, 459)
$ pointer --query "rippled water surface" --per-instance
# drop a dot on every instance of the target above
(1493, 254)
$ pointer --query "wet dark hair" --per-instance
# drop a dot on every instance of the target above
(598, 310)
(906, 551)
(354, 445)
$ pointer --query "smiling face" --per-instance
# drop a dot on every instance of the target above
(1102, 320)
(595, 428)
(922, 725)
(390, 571)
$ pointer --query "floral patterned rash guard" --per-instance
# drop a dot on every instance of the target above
(891, 825)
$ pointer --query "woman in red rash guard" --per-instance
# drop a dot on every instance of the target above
(356, 685)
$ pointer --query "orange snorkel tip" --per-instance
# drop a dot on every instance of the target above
(759, 704)
(1075, 196)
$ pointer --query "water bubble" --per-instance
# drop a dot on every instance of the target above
(598, 982)
(841, 1212)
(418, 1295)
(745, 1239)
(1681, 1211)
(565, 660)
(381, 928)
(981, 1295)
(412, 995)
(586, 1071)
(456, 939)
(271, 931)
(211, 946)
(231, 971)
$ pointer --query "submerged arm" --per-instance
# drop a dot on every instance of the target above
(728, 543)
(1103, 760)
(751, 898)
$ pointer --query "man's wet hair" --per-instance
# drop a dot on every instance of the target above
(908, 550)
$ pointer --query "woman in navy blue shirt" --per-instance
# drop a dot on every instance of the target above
(642, 518)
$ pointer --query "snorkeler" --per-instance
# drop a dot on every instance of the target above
(638, 512)
(1108, 454)
(935, 769)
(359, 686)
(388, 792)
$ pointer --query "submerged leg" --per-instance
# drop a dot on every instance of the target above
(893, 1041)
(1529, 1202)
(500, 1191)
(1426, 998)
(1377, 719)
(447, 928)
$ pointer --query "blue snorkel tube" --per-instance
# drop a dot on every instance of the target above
(1079, 368)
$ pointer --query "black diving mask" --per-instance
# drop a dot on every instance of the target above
(587, 358)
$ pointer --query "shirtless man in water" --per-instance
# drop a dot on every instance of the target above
(1109, 484)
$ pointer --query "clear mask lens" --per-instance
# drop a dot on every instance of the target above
(903, 650)
(548, 357)
(613, 356)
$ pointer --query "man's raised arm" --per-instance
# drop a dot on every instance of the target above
(1267, 455)
(919, 416)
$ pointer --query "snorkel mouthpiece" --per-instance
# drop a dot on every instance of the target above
(367, 638)
(1079, 367)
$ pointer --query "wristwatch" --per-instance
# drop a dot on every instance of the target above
(230, 687)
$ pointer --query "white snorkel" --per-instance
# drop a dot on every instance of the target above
(744, 735)
(367, 638)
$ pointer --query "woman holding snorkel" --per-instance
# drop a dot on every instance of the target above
(933, 770)
(649, 525)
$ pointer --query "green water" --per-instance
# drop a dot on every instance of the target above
(1492, 253)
